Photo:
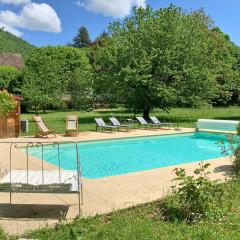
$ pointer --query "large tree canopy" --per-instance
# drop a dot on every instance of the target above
(163, 58)
(56, 74)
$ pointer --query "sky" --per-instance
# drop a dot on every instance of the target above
(55, 22)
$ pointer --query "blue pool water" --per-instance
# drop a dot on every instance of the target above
(114, 157)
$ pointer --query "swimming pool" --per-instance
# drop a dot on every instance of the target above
(113, 157)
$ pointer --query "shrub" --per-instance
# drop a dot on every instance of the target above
(238, 129)
(194, 197)
(231, 149)
(6, 103)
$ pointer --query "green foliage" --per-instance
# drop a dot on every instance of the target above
(229, 88)
(80, 89)
(238, 129)
(54, 75)
(231, 149)
(3, 236)
(194, 197)
(9, 43)
(6, 103)
(227, 72)
(100, 39)
(82, 39)
(10, 79)
(164, 58)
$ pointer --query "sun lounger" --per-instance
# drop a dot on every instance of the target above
(101, 124)
(42, 129)
(143, 122)
(72, 125)
(116, 123)
(155, 120)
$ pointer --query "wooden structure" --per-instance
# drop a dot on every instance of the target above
(10, 125)
(42, 129)
(72, 125)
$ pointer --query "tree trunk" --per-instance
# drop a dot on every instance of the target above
(146, 112)
(36, 110)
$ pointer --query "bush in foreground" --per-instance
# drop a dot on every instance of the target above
(194, 197)
(231, 149)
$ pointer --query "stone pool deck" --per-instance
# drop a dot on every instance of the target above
(31, 211)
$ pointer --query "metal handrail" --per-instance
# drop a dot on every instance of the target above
(41, 145)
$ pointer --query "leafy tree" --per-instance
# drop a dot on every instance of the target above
(80, 85)
(100, 39)
(6, 103)
(235, 100)
(162, 58)
(51, 73)
(10, 79)
(229, 74)
(82, 39)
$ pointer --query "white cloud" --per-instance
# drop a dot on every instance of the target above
(11, 29)
(33, 16)
(15, 2)
(113, 8)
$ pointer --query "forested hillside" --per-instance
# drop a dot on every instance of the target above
(12, 44)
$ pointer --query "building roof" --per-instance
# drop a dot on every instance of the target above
(11, 59)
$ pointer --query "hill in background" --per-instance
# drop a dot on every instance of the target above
(9, 43)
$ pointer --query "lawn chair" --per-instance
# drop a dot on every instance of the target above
(155, 120)
(72, 125)
(143, 122)
(42, 130)
(101, 124)
(116, 123)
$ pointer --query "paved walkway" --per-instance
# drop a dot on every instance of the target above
(31, 211)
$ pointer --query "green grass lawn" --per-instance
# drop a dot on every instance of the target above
(144, 222)
(186, 117)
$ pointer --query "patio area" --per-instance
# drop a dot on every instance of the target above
(100, 195)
